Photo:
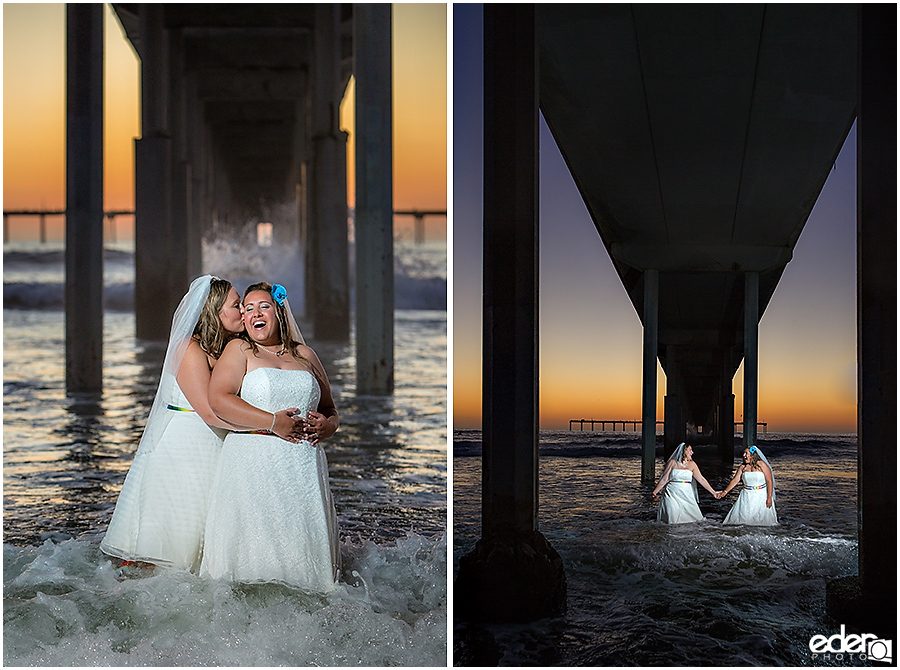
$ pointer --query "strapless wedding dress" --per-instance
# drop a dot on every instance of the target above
(750, 508)
(271, 516)
(678, 503)
(161, 511)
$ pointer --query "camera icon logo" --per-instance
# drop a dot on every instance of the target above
(880, 650)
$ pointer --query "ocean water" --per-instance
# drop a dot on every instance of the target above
(641, 593)
(65, 460)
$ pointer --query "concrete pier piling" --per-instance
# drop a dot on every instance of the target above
(84, 198)
(374, 200)
(153, 286)
(648, 398)
(867, 602)
(751, 356)
(328, 273)
(513, 574)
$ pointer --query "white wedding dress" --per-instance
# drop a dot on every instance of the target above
(271, 517)
(161, 511)
(678, 503)
(750, 508)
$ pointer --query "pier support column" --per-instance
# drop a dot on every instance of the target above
(374, 200)
(751, 355)
(868, 603)
(153, 302)
(648, 399)
(513, 574)
(725, 427)
(84, 198)
(326, 252)
(725, 436)
(674, 431)
(179, 173)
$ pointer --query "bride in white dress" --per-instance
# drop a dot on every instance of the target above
(755, 505)
(678, 482)
(161, 510)
(271, 516)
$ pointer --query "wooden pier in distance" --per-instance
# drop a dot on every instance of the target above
(42, 215)
(636, 424)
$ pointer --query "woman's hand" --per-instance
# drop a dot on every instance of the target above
(283, 425)
(316, 427)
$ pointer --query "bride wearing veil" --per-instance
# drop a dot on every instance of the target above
(678, 482)
(755, 505)
(161, 509)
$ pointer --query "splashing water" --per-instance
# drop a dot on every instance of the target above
(65, 458)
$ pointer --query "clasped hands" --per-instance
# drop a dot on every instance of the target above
(314, 427)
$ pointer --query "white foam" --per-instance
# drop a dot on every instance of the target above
(64, 606)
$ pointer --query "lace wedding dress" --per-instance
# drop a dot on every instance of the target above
(678, 503)
(271, 516)
(161, 511)
(750, 508)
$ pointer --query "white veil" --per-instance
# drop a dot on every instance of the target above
(322, 465)
(292, 323)
(762, 457)
(183, 323)
(675, 459)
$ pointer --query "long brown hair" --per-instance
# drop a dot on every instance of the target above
(284, 329)
(754, 457)
(209, 331)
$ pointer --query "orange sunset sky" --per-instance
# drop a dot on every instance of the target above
(34, 113)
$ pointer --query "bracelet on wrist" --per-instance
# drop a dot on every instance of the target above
(272, 428)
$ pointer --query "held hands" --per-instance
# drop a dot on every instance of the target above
(314, 427)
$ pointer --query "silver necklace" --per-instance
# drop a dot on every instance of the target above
(276, 353)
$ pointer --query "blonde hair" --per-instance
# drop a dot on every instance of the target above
(209, 331)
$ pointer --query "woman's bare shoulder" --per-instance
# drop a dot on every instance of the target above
(308, 353)
(235, 346)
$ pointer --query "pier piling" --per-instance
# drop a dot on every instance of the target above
(374, 200)
(513, 574)
(84, 198)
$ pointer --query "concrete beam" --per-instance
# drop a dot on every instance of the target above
(251, 84)
(84, 198)
(374, 200)
(272, 48)
(701, 257)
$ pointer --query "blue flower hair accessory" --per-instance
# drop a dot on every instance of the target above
(278, 293)
(752, 450)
